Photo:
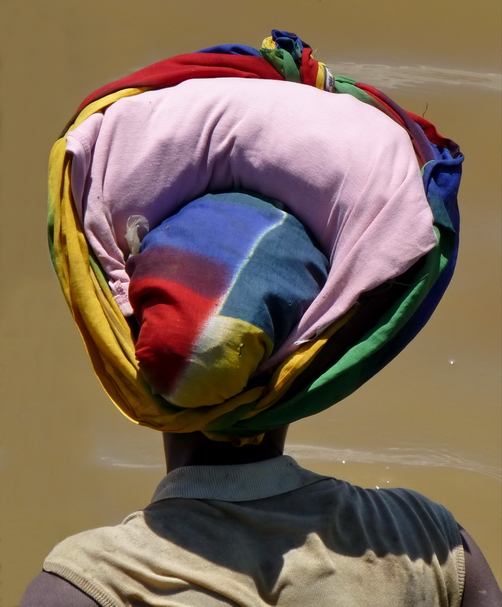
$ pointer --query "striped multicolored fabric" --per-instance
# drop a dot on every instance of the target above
(318, 373)
(218, 287)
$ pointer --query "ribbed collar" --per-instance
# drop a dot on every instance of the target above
(236, 483)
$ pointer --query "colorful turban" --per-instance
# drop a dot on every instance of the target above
(194, 209)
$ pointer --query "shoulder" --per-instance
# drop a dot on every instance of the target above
(427, 520)
(50, 590)
(481, 588)
(401, 521)
(88, 544)
(402, 504)
(86, 559)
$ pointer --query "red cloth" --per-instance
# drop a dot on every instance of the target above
(308, 68)
(432, 135)
(174, 70)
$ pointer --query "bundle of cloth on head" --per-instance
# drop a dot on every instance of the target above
(244, 239)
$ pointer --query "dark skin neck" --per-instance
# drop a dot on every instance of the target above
(195, 449)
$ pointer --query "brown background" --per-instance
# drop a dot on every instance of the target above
(430, 421)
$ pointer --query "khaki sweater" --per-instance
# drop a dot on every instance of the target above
(269, 533)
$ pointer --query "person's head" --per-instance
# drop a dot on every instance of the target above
(226, 362)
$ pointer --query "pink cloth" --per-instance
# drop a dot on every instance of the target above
(343, 168)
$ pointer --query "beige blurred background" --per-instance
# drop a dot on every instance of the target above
(430, 421)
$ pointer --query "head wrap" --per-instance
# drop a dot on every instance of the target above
(362, 317)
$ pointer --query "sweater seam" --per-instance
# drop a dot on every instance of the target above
(95, 591)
